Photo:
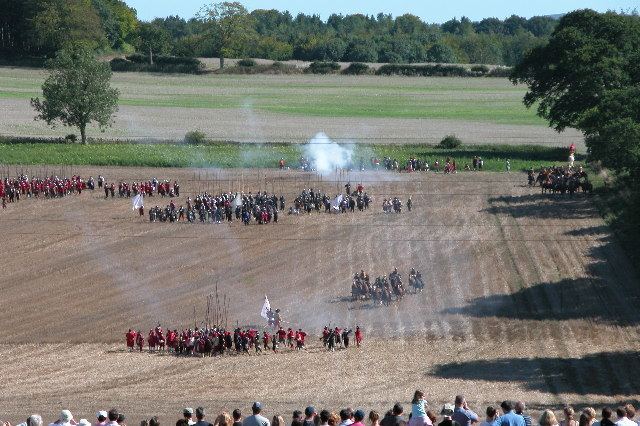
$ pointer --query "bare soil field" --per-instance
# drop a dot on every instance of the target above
(527, 296)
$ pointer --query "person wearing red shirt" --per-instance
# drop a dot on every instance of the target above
(282, 335)
(290, 337)
(131, 339)
(358, 336)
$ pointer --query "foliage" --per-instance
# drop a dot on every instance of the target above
(195, 137)
(247, 62)
(450, 142)
(587, 77)
(162, 64)
(323, 67)
(230, 28)
(152, 39)
(437, 70)
(480, 69)
(357, 68)
(77, 91)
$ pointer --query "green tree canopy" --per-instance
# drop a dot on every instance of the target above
(77, 91)
(231, 26)
(152, 39)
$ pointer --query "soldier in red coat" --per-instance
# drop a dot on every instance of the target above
(131, 339)
(358, 336)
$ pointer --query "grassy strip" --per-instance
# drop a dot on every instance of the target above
(234, 155)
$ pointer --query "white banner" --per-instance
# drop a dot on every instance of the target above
(138, 201)
(266, 307)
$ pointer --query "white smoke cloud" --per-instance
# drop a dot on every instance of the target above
(327, 155)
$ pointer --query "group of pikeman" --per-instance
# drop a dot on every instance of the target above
(208, 208)
(49, 187)
(384, 290)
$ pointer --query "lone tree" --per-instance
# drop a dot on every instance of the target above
(231, 27)
(77, 91)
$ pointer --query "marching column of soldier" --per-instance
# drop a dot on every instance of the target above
(556, 179)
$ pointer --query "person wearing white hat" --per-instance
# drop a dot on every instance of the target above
(66, 419)
(101, 416)
(84, 422)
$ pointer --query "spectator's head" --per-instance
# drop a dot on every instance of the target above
(277, 421)
(112, 415)
(548, 418)
(237, 415)
(346, 414)
(84, 422)
(491, 413)
(631, 411)
(144, 423)
(101, 416)
(432, 416)
(297, 415)
(256, 407)
(506, 406)
(121, 418)
(187, 413)
(358, 415)
(374, 417)
(200, 413)
(459, 400)
(66, 416)
(334, 419)
(153, 421)
(223, 419)
(182, 422)
(607, 413)
(584, 420)
(397, 409)
(309, 412)
(417, 396)
(621, 412)
(324, 417)
(34, 420)
(520, 407)
(569, 412)
(590, 412)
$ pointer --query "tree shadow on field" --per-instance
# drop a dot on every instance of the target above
(607, 290)
(543, 206)
(602, 373)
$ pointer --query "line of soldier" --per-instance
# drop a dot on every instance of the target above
(262, 207)
(215, 340)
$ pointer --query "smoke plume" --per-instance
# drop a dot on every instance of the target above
(327, 155)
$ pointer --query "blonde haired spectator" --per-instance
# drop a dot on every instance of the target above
(569, 417)
(548, 419)
(223, 419)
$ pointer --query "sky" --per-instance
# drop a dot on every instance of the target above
(429, 10)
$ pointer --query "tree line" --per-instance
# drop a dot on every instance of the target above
(228, 29)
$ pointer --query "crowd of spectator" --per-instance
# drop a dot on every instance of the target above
(456, 414)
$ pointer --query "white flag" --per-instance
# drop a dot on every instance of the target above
(138, 201)
(335, 204)
(266, 307)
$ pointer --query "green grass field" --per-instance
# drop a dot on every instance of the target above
(491, 100)
(261, 156)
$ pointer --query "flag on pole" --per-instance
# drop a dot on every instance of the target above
(138, 201)
(266, 307)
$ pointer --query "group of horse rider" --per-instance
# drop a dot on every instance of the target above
(384, 290)
(560, 179)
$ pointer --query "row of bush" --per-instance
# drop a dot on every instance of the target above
(162, 64)
(249, 66)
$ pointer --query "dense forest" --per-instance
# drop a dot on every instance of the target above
(39, 28)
